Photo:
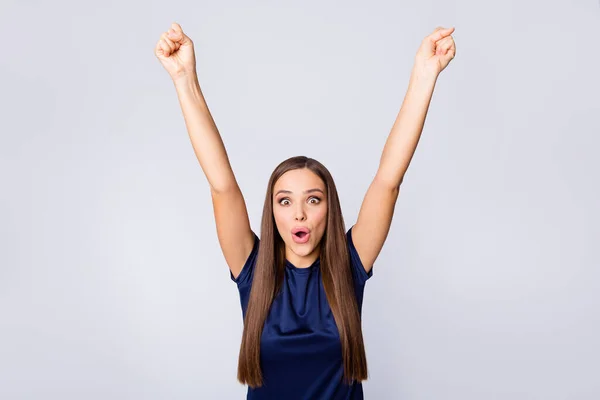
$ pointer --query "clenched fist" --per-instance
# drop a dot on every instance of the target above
(175, 51)
(436, 51)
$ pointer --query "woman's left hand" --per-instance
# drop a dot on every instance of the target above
(436, 51)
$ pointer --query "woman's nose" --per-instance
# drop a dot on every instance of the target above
(300, 215)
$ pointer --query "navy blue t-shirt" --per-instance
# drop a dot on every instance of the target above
(301, 353)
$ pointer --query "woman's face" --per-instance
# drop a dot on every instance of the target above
(300, 203)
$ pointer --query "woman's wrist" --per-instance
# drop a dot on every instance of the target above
(186, 80)
(422, 74)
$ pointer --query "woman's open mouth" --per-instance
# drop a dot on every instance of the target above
(300, 235)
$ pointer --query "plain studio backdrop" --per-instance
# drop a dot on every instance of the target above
(112, 282)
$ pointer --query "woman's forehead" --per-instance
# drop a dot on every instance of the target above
(298, 181)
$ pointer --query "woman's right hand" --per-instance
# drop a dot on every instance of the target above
(175, 51)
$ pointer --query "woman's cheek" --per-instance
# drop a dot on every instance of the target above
(279, 222)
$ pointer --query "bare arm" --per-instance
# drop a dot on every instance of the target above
(375, 216)
(233, 226)
(175, 51)
(376, 212)
(204, 135)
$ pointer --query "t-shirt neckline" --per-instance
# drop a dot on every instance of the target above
(291, 266)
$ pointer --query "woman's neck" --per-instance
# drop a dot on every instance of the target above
(299, 261)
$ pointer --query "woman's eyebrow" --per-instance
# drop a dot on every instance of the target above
(305, 192)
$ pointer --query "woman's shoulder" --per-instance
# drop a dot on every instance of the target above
(358, 269)
(247, 272)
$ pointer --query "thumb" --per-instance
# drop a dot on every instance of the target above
(439, 33)
(176, 35)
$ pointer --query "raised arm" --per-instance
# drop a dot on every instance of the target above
(175, 50)
(376, 212)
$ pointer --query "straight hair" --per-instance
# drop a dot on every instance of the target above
(335, 271)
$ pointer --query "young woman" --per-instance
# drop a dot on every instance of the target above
(301, 285)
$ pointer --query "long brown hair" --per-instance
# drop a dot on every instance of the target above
(335, 271)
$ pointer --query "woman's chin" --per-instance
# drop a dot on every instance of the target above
(301, 249)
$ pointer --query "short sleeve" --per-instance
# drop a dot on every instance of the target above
(358, 270)
(247, 272)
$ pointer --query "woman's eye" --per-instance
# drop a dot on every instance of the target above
(312, 200)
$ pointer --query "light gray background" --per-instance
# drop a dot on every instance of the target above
(112, 284)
